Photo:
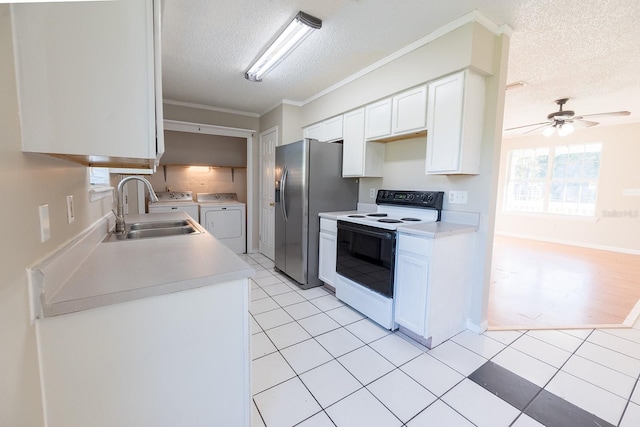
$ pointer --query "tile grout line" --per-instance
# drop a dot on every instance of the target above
(363, 386)
(438, 398)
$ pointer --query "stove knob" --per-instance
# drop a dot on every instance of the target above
(431, 198)
(410, 197)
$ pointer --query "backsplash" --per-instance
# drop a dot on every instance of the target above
(201, 179)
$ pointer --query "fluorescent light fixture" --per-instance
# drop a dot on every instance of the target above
(515, 85)
(297, 30)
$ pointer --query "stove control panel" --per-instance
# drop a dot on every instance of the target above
(424, 199)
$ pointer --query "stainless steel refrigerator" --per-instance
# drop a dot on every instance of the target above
(308, 181)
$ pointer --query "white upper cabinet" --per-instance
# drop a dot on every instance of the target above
(89, 83)
(454, 122)
(360, 158)
(329, 130)
(397, 117)
(378, 119)
(409, 111)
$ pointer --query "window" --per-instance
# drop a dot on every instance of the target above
(557, 180)
(98, 176)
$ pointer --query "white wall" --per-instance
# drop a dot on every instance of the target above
(618, 171)
(27, 181)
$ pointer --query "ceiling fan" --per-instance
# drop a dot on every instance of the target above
(563, 121)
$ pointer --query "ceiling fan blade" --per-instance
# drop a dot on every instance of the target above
(610, 114)
(538, 128)
(532, 124)
(584, 123)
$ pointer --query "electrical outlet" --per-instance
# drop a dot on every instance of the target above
(458, 197)
(70, 210)
(45, 225)
(372, 193)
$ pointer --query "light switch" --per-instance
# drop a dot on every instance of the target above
(45, 226)
(458, 197)
(71, 216)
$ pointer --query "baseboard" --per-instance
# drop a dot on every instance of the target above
(477, 328)
(571, 243)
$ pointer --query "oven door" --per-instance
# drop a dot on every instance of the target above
(366, 255)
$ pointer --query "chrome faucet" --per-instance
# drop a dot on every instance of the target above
(120, 225)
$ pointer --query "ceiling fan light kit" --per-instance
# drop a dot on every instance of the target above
(299, 29)
(563, 120)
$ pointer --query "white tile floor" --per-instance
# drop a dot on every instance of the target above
(318, 363)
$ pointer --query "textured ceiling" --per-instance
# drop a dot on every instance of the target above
(587, 50)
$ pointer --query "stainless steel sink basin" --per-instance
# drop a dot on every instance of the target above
(158, 224)
(145, 230)
(159, 232)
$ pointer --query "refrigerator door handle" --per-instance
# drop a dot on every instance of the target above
(283, 191)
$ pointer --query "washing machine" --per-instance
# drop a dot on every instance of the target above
(169, 201)
(224, 217)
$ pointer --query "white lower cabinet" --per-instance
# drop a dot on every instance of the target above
(180, 359)
(432, 285)
(327, 249)
(412, 271)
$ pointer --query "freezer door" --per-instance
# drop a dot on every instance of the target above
(292, 210)
(280, 244)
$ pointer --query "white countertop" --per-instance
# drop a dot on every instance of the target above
(125, 270)
(430, 229)
(434, 230)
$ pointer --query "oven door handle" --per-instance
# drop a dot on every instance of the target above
(387, 235)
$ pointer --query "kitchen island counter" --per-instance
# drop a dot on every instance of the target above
(152, 331)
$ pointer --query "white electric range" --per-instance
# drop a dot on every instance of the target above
(366, 249)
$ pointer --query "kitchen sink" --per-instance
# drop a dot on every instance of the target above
(158, 224)
(145, 230)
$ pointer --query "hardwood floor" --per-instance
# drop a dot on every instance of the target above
(546, 285)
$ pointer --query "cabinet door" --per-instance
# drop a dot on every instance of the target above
(444, 124)
(327, 259)
(410, 111)
(86, 78)
(411, 292)
(378, 122)
(455, 119)
(353, 144)
(314, 132)
(333, 129)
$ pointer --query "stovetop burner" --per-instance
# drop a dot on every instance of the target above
(396, 209)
